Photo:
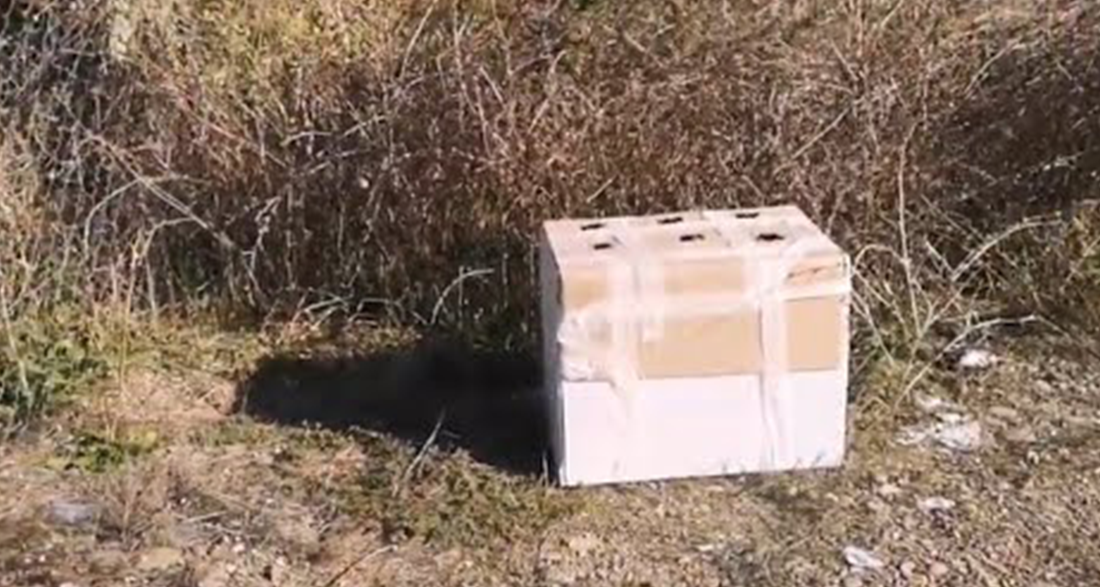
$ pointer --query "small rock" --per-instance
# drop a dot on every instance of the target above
(1021, 435)
(938, 570)
(1004, 413)
(67, 584)
(238, 548)
(583, 544)
(853, 581)
(888, 490)
(932, 404)
(962, 437)
(861, 559)
(107, 561)
(73, 513)
(951, 418)
(1079, 422)
(160, 559)
(218, 576)
(907, 569)
(877, 506)
(279, 574)
(932, 505)
(976, 360)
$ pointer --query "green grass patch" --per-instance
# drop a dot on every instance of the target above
(103, 451)
(44, 360)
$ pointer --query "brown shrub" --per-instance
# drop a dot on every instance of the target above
(350, 158)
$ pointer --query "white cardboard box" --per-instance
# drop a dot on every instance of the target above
(725, 377)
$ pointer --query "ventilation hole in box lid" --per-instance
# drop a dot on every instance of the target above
(671, 220)
(769, 237)
(689, 238)
(601, 246)
(746, 215)
(593, 226)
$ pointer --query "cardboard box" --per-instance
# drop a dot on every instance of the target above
(693, 344)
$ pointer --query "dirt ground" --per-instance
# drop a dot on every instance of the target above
(166, 477)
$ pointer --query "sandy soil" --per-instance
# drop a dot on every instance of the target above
(159, 481)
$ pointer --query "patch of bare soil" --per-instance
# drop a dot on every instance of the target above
(176, 490)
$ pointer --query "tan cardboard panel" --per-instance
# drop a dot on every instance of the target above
(817, 333)
(704, 346)
(728, 344)
(732, 344)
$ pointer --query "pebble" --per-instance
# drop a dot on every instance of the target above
(72, 513)
(907, 569)
(976, 359)
(960, 436)
(932, 505)
(938, 570)
(877, 506)
(107, 561)
(861, 559)
(217, 577)
(1079, 422)
(583, 544)
(160, 559)
(888, 490)
(853, 581)
(1004, 413)
(1021, 434)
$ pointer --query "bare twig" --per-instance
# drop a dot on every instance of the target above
(954, 344)
(447, 290)
(420, 454)
(366, 556)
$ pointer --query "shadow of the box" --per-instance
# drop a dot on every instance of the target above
(484, 402)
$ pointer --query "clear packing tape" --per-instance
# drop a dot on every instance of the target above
(637, 308)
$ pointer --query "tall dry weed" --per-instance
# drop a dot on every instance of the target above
(341, 158)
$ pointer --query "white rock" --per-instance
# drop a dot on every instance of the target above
(72, 513)
(938, 570)
(962, 436)
(888, 490)
(957, 434)
(976, 359)
(930, 505)
(931, 403)
(907, 569)
(1021, 434)
(861, 559)
(951, 418)
(913, 435)
(1004, 413)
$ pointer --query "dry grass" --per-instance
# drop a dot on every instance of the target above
(239, 501)
(346, 159)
